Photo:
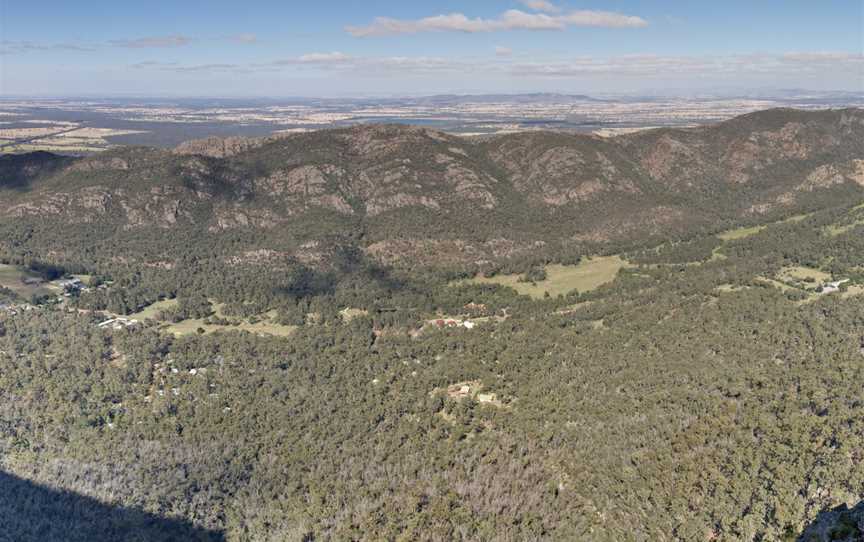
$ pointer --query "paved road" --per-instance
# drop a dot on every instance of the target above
(37, 138)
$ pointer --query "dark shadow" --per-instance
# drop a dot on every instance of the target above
(17, 171)
(840, 524)
(30, 513)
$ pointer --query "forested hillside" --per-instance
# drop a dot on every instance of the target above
(409, 195)
(354, 358)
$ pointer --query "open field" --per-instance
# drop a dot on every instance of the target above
(740, 233)
(151, 312)
(805, 274)
(265, 325)
(807, 281)
(854, 220)
(59, 137)
(588, 275)
(854, 290)
(12, 277)
(188, 327)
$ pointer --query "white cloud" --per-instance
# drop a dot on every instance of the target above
(244, 38)
(513, 19)
(639, 67)
(153, 41)
(541, 5)
(8, 47)
(324, 58)
(503, 51)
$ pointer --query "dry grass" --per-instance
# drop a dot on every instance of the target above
(189, 327)
(800, 273)
(151, 312)
(12, 277)
(588, 275)
(740, 233)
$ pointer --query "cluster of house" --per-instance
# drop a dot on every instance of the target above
(117, 323)
(70, 285)
(452, 322)
(73, 284)
(831, 287)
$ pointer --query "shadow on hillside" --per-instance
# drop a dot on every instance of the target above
(17, 171)
(840, 524)
(31, 513)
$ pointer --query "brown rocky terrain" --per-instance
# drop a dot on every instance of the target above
(412, 192)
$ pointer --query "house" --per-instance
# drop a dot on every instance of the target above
(831, 287)
(117, 323)
(70, 285)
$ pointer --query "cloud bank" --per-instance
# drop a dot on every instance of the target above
(513, 19)
(541, 5)
(153, 41)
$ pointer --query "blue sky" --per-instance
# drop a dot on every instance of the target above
(390, 47)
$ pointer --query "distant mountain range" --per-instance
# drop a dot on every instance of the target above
(414, 195)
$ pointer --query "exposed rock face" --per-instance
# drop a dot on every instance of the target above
(559, 169)
(833, 174)
(219, 147)
(306, 186)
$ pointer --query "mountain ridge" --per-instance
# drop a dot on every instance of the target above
(396, 185)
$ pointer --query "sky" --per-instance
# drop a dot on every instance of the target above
(340, 48)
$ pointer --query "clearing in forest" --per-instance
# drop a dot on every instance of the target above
(740, 233)
(801, 274)
(263, 324)
(152, 312)
(23, 282)
(589, 274)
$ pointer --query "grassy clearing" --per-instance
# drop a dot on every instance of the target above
(12, 277)
(589, 274)
(805, 280)
(188, 327)
(151, 312)
(855, 289)
(779, 285)
(264, 326)
(796, 218)
(349, 313)
(740, 233)
(834, 230)
(803, 274)
(730, 288)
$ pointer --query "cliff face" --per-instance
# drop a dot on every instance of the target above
(411, 186)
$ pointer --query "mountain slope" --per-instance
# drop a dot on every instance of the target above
(404, 192)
